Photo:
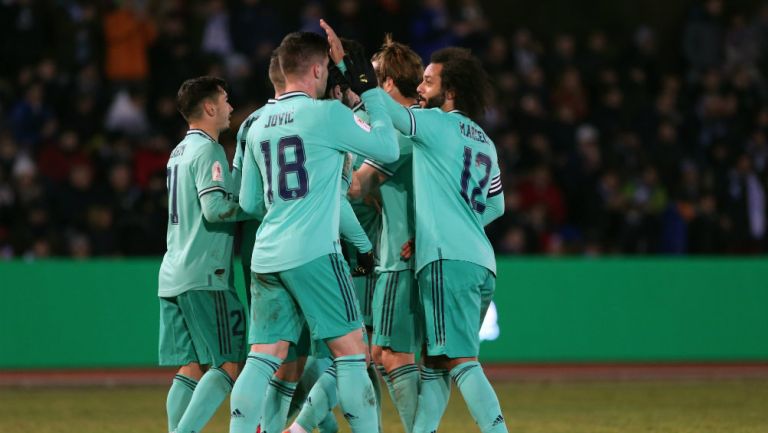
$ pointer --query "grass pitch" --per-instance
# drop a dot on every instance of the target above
(727, 406)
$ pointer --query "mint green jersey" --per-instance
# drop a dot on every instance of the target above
(293, 165)
(455, 171)
(396, 207)
(242, 133)
(248, 232)
(367, 214)
(199, 255)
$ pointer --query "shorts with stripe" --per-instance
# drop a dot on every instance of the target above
(364, 288)
(455, 296)
(320, 292)
(397, 314)
(203, 326)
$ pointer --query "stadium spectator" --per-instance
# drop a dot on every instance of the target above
(642, 152)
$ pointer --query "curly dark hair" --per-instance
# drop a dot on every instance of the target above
(463, 75)
(193, 91)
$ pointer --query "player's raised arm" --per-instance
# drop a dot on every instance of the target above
(351, 134)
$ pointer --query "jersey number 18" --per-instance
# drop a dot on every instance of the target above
(285, 168)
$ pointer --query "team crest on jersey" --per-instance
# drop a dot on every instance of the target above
(361, 123)
(216, 172)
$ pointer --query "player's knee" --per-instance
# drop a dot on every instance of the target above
(231, 368)
(192, 370)
(349, 344)
(376, 353)
(393, 360)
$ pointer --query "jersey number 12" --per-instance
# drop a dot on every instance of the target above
(466, 174)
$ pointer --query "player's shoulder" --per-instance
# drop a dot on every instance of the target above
(254, 116)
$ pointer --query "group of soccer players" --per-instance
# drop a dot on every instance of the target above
(352, 159)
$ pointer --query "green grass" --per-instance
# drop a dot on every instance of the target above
(553, 407)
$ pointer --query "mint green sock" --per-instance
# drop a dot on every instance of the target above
(178, 399)
(387, 381)
(434, 391)
(313, 369)
(479, 396)
(328, 424)
(405, 395)
(209, 393)
(320, 401)
(356, 394)
(376, 390)
(247, 399)
(276, 405)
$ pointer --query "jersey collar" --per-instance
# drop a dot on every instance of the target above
(271, 100)
(289, 95)
(459, 112)
(359, 106)
(200, 132)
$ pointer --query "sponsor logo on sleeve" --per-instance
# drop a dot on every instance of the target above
(216, 175)
(361, 123)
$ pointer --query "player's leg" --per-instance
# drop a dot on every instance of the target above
(282, 387)
(217, 323)
(435, 383)
(327, 298)
(176, 348)
(275, 323)
(397, 333)
(365, 286)
(465, 290)
(320, 397)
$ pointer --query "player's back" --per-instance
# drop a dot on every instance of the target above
(454, 163)
(199, 253)
(301, 172)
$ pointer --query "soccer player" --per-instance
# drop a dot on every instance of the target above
(294, 166)
(396, 335)
(457, 191)
(201, 319)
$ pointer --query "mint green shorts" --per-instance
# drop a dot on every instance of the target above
(364, 289)
(397, 314)
(455, 296)
(203, 326)
(320, 292)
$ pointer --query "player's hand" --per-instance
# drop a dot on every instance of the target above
(335, 77)
(337, 50)
(362, 77)
(407, 250)
(365, 264)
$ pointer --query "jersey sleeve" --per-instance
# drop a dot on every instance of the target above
(494, 204)
(237, 161)
(414, 122)
(351, 134)
(350, 228)
(252, 187)
(406, 150)
(211, 171)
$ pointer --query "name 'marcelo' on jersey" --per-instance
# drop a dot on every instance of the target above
(293, 166)
(455, 175)
(199, 253)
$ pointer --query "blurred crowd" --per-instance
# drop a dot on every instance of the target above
(605, 148)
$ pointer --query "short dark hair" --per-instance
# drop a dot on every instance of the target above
(193, 91)
(299, 50)
(400, 63)
(463, 75)
(276, 76)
